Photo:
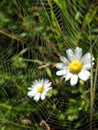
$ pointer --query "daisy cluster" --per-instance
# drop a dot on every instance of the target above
(72, 68)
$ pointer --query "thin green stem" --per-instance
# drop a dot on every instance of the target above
(91, 86)
(91, 100)
(95, 78)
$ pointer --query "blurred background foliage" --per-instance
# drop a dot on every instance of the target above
(33, 34)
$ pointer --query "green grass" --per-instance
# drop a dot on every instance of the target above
(33, 36)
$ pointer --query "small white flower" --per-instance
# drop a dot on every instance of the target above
(75, 66)
(39, 89)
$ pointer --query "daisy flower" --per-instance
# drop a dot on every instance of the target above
(39, 89)
(76, 66)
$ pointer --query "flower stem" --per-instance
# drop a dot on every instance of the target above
(91, 108)
(91, 87)
(92, 94)
(91, 100)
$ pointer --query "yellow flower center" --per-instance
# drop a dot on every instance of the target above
(40, 89)
(75, 66)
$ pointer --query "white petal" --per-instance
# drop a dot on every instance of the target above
(68, 76)
(37, 97)
(78, 53)
(87, 66)
(70, 54)
(60, 66)
(46, 90)
(74, 79)
(61, 72)
(43, 96)
(42, 82)
(64, 60)
(87, 73)
(47, 85)
(35, 83)
(86, 58)
(46, 81)
(39, 84)
(30, 88)
(83, 75)
(30, 94)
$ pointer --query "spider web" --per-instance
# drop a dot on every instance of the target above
(24, 64)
